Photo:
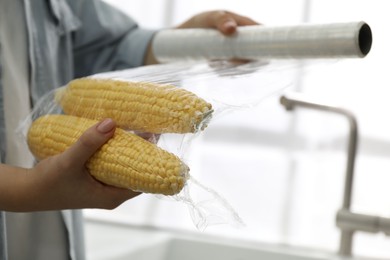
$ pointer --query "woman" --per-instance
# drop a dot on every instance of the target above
(43, 45)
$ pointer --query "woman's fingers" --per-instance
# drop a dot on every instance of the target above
(227, 22)
(224, 21)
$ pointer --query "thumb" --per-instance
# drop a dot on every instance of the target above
(90, 141)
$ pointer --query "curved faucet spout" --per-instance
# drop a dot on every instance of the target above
(295, 100)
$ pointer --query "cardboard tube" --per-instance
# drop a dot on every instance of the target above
(339, 40)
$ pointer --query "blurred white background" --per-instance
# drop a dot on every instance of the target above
(283, 172)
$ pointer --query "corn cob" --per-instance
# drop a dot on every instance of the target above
(145, 107)
(126, 160)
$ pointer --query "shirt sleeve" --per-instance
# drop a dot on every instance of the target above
(107, 39)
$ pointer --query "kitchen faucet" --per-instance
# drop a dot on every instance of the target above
(347, 221)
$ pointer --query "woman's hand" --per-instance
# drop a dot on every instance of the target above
(224, 21)
(63, 181)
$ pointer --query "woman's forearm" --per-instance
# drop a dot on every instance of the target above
(14, 193)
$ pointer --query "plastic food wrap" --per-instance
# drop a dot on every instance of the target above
(159, 110)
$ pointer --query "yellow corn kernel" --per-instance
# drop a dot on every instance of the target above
(124, 161)
(145, 107)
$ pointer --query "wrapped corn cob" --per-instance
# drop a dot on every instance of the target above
(145, 107)
(126, 160)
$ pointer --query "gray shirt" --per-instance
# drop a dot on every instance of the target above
(66, 39)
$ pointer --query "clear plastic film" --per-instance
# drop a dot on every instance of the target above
(155, 154)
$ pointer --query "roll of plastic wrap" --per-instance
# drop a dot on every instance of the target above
(338, 40)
